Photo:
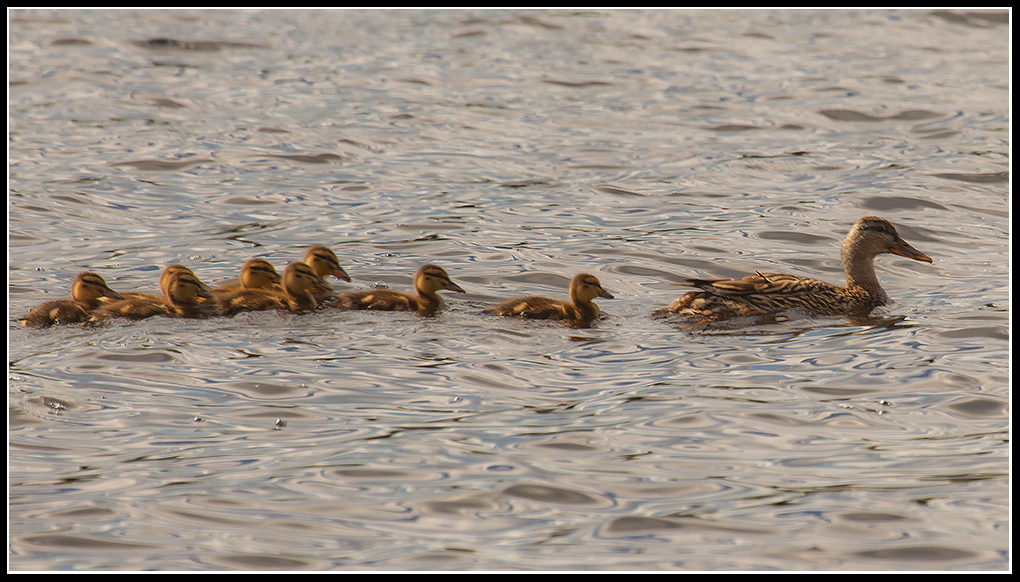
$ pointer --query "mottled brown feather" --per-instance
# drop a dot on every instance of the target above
(765, 294)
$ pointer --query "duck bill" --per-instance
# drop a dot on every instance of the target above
(322, 285)
(450, 285)
(606, 294)
(112, 294)
(204, 290)
(341, 274)
(903, 249)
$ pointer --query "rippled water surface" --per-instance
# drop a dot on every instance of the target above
(514, 149)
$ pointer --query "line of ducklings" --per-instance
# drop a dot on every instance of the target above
(302, 288)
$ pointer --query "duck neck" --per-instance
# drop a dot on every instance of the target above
(298, 299)
(433, 299)
(860, 268)
(88, 302)
(586, 307)
(301, 301)
(430, 297)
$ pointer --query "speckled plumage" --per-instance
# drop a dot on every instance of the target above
(764, 294)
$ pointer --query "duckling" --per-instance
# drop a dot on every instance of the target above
(428, 280)
(87, 290)
(298, 279)
(764, 294)
(583, 288)
(255, 274)
(182, 290)
(324, 262)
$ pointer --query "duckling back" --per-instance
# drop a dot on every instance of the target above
(538, 307)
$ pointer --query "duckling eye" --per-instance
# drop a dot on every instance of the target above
(326, 259)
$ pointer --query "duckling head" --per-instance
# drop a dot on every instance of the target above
(258, 273)
(300, 277)
(167, 275)
(432, 278)
(585, 287)
(183, 287)
(89, 287)
(324, 262)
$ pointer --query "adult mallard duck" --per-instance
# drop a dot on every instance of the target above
(583, 289)
(87, 292)
(182, 291)
(298, 280)
(765, 294)
(255, 274)
(428, 280)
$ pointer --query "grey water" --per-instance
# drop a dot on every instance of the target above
(515, 149)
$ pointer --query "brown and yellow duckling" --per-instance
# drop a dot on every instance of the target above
(765, 294)
(581, 308)
(298, 281)
(255, 274)
(324, 262)
(182, 292)
(87, 292)
(427, 282)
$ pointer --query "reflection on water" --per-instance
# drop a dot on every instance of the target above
(515, 149)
